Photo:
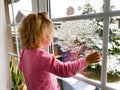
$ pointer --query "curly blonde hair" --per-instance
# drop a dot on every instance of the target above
(35, 30)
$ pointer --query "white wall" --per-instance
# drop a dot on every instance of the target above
(4, 62)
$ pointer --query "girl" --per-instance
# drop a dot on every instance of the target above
(39, 67)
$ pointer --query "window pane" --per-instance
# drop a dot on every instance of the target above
(113, 66)
(19, 9)
(115, 5)
(74, 39)
(62, 8)
(16, 44)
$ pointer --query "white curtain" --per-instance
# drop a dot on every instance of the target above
(4, 62)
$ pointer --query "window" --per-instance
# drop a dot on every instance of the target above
(64, 8)
(83, 25)
(114, 4)
(89, 25)
(16, 10)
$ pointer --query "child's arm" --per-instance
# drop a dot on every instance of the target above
(71, 68)
(68, 69)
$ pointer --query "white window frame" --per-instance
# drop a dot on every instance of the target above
(44, 5)
(106, 14)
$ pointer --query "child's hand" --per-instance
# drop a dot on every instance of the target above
(93, 57)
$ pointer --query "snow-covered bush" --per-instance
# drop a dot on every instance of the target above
(77, 37)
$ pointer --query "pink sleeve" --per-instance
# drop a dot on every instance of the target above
(66, 69)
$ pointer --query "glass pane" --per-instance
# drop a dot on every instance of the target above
(19, 9)
(15, 39)
(62, 8)
(74, 39)
(16, 11)
(115, 5)
(113, 66)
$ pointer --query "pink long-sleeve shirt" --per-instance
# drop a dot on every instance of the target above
(40, 69)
